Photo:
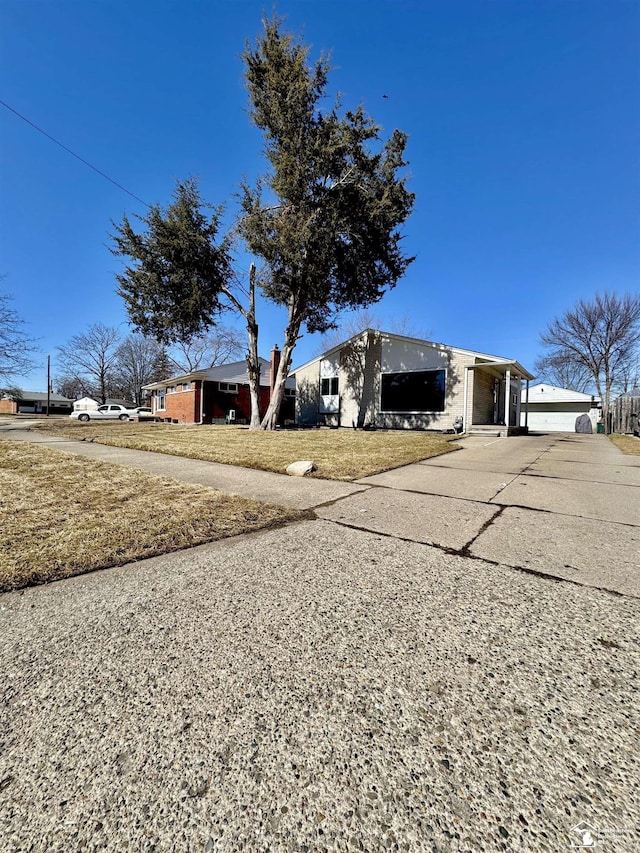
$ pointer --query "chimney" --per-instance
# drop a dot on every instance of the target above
(273, 367)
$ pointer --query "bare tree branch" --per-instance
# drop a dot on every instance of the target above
(222, 345)
(91, 357)
(16, 348)
(599, 337)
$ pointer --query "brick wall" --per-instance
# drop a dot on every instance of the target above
(8, 407)
(483, 403)
(218, 404)
(183, 406)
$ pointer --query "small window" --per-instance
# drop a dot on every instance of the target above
(186, 386)
(329, 386)
(162, 400)
(289, 392)
(228, 387)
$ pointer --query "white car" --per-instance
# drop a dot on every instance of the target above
(110, 411)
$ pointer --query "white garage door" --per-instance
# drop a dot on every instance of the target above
(553, 421)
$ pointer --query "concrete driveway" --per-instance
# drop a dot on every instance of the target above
(408, 672)
(566, 505)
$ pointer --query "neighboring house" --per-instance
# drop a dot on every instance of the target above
(218, 394)
(553, 409)
(86, 404)
(35, 402)
(379, 379)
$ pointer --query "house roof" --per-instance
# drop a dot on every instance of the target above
(41, 397)
(235, 371)
(543, 392)
(494, 359)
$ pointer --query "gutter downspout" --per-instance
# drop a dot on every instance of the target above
(201, 401)
(526, 407)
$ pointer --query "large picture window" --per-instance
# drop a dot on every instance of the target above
(419, 391)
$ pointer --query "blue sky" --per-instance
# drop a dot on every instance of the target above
(524, 147)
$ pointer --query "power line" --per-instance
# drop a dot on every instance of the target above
(73, 154)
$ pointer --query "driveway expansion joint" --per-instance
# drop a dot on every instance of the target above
(556, 513)
(411, 491)
(364, 488)
(465, 551)
(467, 555)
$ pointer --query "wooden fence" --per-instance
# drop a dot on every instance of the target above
(625, 413)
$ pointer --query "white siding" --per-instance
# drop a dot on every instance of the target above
(399, 356)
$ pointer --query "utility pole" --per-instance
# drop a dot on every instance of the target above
(48, 383)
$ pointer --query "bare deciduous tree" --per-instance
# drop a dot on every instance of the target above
(601, 336)
(366, 318)
(90, 360)
(564, 374)
(135, 366)
(222, 344)
(72, 387)
(16, 348)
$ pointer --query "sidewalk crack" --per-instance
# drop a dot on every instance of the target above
(465, 551)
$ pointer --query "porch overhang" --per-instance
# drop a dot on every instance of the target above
(508, 370)
(502, 366)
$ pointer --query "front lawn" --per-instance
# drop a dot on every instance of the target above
(62, 515)
(340, 454)
(628, 444)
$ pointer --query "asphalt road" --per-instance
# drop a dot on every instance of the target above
(446, 659)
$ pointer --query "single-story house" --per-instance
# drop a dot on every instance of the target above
(35, 402)
(553, 409)
(86, 404)
(383, 380)
(218, 394)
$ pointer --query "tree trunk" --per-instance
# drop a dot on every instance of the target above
(270, 420)
(253, 361)
(253, 372)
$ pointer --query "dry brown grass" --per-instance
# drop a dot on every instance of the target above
(339, 454)
(628, 444)
(61, 515)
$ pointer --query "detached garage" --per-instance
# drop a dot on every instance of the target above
(553, 409)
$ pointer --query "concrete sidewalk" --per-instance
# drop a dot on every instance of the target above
(293, 492)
